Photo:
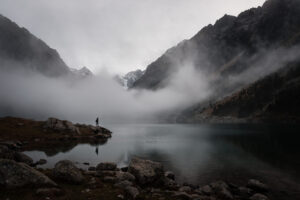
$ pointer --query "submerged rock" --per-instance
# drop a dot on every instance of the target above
(41, 162)
(146, 171)
(17, 175)
(67, 171)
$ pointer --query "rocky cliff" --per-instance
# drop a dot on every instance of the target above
(231, 45)
(20, 49)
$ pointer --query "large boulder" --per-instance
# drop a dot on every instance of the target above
(18, 175)
(11, 154)
(67, 171)
(146, 171)
(6, 153)
(21, 157)
(61, 125)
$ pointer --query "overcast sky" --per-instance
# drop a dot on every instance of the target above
(117, 35)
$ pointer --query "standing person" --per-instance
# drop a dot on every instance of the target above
(97, 121)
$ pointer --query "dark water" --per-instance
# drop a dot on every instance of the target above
(196, 153)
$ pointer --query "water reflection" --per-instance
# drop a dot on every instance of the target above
(196, 153)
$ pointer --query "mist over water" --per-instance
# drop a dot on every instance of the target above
(32, 95)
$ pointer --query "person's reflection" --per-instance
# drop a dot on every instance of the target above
(96, 151)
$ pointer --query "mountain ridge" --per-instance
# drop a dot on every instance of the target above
(216, 45)
(19, 49)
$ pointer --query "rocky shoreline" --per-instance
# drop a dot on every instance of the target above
(22, 178)
(142, 179)
(49, 134)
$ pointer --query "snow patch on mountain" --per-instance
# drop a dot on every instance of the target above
(82, 73)
(128, 79)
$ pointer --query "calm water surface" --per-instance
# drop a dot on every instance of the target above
(196, 153)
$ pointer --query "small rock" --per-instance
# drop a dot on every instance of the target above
(90, 173)
(41, 162)
(106, 166)
(92, 181)
(124, 169)
(170, 184)
(222, 190)
(123, 184)
(92, 168)
(256, 185)
(244, 192)
(120, 196)
(132, 192)
(170, 175)
(49, 192)
(125, 176)
(86, 163)
(185, 189)
(106, 173)
(67, 171)
(182, 195)
(206, 190)
(259, 197)
(109, 179)
(86, 190)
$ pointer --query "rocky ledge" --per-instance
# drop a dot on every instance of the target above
(32, 134)
(142, 179)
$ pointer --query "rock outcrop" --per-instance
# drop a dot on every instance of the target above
(19, 175)
(19, 49)
(230, 46)
(6, 152)
(146, 171)
(61, 125)
(67, 171)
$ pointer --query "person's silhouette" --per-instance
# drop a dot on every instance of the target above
(97, 121)
(96, 150)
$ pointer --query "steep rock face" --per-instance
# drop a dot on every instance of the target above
(130, 78)
(274, 98)
(20, 49)
(230, 45)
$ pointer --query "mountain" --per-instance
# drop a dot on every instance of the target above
(19, 49)
(231, 45)
(82, 73)
(128, 79)
(275, 98)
